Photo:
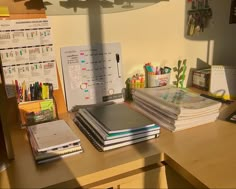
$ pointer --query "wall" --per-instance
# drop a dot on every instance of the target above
(155, 33)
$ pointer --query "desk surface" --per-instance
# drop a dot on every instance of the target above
(204, 154)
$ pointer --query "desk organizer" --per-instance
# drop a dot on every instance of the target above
(157, 80)
(38, 111)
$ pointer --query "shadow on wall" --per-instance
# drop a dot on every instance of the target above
(217, 31)
(65, 7)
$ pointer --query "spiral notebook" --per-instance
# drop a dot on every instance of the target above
(222, 82)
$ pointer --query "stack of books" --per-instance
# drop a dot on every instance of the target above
(52, 140)
(175, 108)
(113, 126)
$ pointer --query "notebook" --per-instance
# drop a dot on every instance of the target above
(105, 147)
(119, 117)
(51, 135)
(222, 82)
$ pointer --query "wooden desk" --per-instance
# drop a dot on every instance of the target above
(204, 155)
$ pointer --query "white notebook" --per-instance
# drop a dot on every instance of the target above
(222, 83)
(51, 135)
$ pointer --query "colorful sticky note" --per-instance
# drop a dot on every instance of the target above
(46, 104)
(4, 11)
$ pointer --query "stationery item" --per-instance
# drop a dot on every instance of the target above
(158, 80)
(117, 118)
(95, 126)
(232, 117)
(217, 99)
(156, 76)
(176, 100)
(4, 11)
(34, 112)
(116, 125)
(53, 154)
(52, 135)
(52, 140)
(175, 108)
(222, 82)
(137, 81)
(102, 147)
(92, 74)
(108, 139)
(174, 124)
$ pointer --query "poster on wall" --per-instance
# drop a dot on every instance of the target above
(27, 53)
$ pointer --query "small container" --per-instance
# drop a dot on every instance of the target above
(39, 111)
(201, 79)
(158, 80)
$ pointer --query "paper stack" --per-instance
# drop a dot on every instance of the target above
(175, 108)
(113, 126)
(52, 140)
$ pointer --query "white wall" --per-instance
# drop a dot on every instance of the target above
(155, 33)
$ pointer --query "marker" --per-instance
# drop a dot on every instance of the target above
(118, 64)
(50, 90)
(167, 70)
(32, 92)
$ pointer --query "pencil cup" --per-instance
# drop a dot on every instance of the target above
(158, 80)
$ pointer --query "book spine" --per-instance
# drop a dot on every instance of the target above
(88, 135)
(57, 157)
(92, 124)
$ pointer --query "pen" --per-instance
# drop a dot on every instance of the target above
(50, 90)
(32, 91)
(118, 64)
(17, 91)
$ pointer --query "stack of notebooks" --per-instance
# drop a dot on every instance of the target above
(113, 126)
(175, 108)
(52, 140)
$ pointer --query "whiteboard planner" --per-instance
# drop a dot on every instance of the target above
(92, 74)
(222, 82)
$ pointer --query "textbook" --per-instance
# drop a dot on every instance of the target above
(93, 138)
(172, 118)
(176, 100)
(117, 118)
(175, 125)
(51, 135)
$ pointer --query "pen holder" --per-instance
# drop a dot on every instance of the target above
(158, 80)
(39, 111)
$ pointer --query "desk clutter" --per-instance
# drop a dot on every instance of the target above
(154, 76)
(218, 80)
(113, 126)
(34, 112)
(175, 108)
(52, 140)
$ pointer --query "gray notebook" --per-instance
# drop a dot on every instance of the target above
(119, 117)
